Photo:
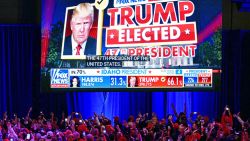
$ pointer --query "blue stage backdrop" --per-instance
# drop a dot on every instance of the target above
(124, 104)
(17, 43)
(20, 81)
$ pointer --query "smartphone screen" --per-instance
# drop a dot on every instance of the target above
(28, 136)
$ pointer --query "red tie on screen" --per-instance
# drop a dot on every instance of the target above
(78, 48)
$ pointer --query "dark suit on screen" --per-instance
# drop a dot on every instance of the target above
(90, 48)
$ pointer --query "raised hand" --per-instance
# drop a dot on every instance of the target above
(30, 109)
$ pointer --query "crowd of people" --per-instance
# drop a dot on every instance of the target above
(143, 127)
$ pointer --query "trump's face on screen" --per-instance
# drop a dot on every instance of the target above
(132, 81)
(81, 23)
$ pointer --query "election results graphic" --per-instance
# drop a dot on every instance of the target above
(136, 35)
(132, 78)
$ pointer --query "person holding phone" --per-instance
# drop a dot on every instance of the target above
(12, 133)
(227, 120)
(28, 136)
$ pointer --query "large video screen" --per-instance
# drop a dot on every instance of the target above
(104, 45)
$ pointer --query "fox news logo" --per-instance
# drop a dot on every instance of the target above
(59, 78)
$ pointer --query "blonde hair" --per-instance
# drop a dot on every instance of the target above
(84, 10)
(132, 78)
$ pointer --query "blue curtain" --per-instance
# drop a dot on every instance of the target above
(20, 83)
(17, 43)
(123, 104)
(110, 104)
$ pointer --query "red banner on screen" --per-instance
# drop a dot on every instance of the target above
(143, 36)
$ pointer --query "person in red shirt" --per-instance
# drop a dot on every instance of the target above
(227, 121)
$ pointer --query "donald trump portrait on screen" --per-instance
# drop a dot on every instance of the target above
(79, 43)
